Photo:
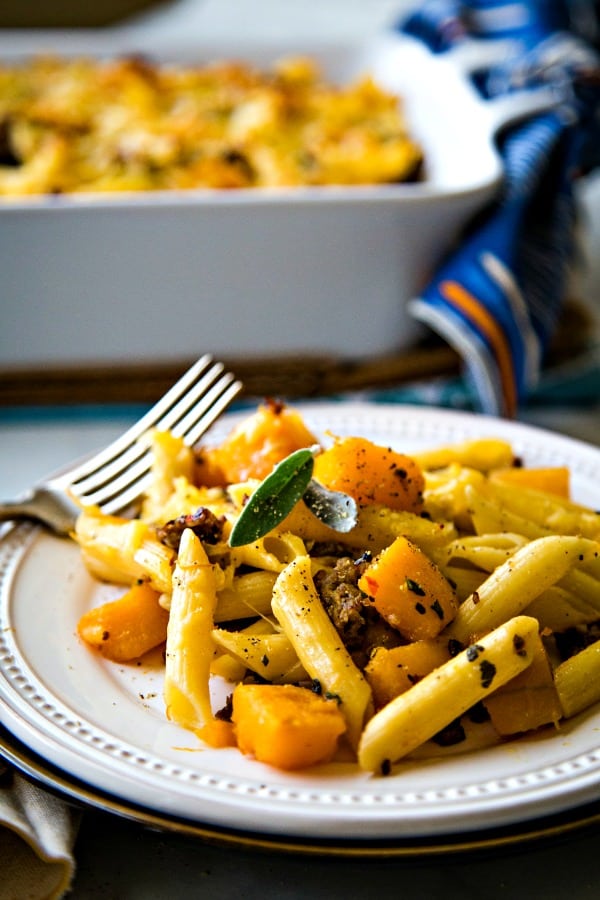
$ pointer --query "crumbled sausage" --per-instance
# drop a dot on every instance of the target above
(358, 623)
(203, 522)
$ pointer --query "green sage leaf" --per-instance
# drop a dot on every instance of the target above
(333, 508)
(274, 498)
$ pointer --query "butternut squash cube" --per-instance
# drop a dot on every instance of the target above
(126, 628)
(409, 591)
(391, 671)
(371, 474)
(286, 726)
(527, 701)
(254, 447)
(551, 480)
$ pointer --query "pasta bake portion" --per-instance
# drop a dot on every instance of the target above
(361, 603)
(131, 124)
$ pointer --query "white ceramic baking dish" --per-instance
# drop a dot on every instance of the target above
(155, 277)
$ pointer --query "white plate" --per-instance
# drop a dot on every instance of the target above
(103, 724)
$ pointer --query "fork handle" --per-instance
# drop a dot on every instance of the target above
(18, 509)
(33, 507)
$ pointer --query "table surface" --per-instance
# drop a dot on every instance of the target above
(120, 859)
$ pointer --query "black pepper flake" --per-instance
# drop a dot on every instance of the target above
(454, 647)
(436, 606)
(519, 645)
(420, 609)
(330, 695)
(105, 635)
(452, 734)
(265, 660)
(478, 713)
(488, 673)
(224, 714)
(473, 652)
(414, 587)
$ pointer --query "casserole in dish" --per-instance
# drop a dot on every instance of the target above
(152, 276)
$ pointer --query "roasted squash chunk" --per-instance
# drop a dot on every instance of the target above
(254, 447)
(527, 701)
(552, 480)
(409, 591)
(286, 726)
(393, 670)
(371, 474)
(126, 628)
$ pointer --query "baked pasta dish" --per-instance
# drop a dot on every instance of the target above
(360, 603)
(130, 124)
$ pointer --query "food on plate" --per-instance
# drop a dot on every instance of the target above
(131, 124)
(351, 617)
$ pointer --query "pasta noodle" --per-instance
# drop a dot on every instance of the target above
(319, 647)
(447, 692)
(499, 577)
(517, 582)
(190, 647)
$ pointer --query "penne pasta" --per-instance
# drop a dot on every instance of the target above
(248, 595)
(558, 609)
(483, 454)
(446, 693)
(547, 510)
(272, 552)
(171, 459)
(318, 645)
(190, 646)
(272, 656)
(578, 680)
(108, 546)
(517, 582)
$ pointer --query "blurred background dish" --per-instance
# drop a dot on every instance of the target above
(146, 277)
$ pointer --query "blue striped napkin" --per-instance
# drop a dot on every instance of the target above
(498, 299)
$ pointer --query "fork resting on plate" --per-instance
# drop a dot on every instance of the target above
(116, 477)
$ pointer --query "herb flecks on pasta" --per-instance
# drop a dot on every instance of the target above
(460, 608)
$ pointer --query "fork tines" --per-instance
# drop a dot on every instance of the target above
(119, 474)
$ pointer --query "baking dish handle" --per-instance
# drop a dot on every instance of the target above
(472, 56)
(521, 104)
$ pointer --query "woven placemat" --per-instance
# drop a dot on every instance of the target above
(303, 375)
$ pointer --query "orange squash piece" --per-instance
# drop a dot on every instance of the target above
(286, 726)
(218, 734)
(409, 591)
(552, 480)
(126, 628)
(392, 671)
(527, 701)
(371, 474)
(254, 447)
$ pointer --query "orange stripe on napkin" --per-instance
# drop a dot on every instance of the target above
(456, 295)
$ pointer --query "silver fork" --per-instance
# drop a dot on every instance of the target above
(117, 476)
